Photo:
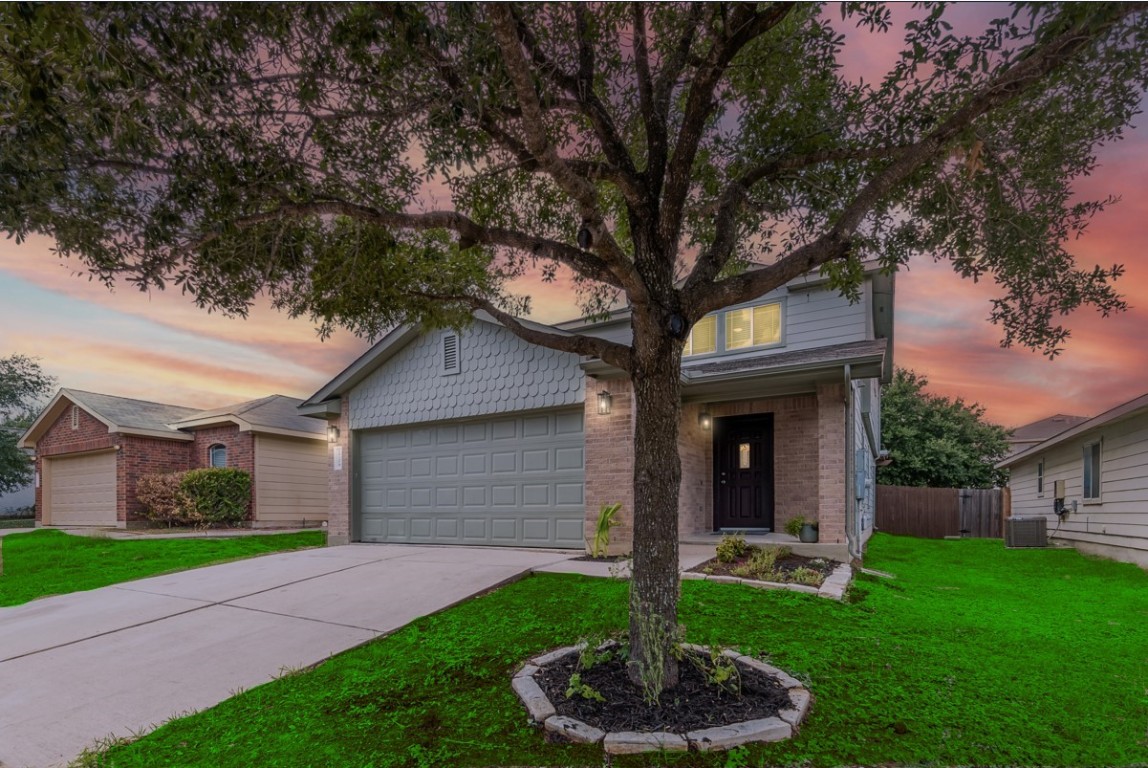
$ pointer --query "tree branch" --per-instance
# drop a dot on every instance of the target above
(657, 126)
(1028, 70)
(467, 229)
(700, 104)
(538, 143)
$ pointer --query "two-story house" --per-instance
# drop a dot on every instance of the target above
(479, 437)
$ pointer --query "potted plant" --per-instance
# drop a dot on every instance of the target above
(805, 530)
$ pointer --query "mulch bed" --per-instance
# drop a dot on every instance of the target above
(783, 565)
(694, 704)
(605, 559)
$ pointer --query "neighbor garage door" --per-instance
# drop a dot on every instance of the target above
(511, 481)
(81, 490)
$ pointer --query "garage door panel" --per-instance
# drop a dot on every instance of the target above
(82, 490)
(497, 481)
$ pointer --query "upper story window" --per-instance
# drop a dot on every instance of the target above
(746, 327)
(1040, 478)
(217, 455)
(703, 338)
(1092, 471)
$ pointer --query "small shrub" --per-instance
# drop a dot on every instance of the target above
(607, 519)
(719, 670)
(163, 499)
(805, 576)
(730, 548)
(762, 563)
(793, 527)
(581, 689)
(219, 496)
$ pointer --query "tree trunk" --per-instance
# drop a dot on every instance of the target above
(657, 478)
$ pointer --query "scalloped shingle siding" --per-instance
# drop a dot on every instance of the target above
(500, 374)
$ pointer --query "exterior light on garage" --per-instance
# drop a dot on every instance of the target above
(705, 421)
(605, 399)
(332, 434)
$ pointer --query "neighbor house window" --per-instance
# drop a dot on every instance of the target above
(753, 326)
(1040, 478)
(217, 455)
(1092, 471)
(703, 338)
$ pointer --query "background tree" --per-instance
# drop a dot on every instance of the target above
(935, 441)
(376, 164)
(23, 389)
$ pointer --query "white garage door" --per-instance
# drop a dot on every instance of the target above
(81, 490)
(515, 480)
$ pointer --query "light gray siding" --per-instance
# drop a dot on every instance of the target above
(864, 462)
(500, 373)
(1119, 519)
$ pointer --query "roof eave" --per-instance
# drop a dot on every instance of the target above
(1131, 409)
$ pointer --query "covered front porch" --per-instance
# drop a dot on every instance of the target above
(762, 441)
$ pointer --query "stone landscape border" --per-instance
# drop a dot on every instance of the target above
(833, 587)
(778, 728)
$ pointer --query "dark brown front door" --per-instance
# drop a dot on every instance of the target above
(743, 472)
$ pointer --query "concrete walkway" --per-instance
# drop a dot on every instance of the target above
(123, 659)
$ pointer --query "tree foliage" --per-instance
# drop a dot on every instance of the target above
(374, 164)
(936, 441)
(23, 388)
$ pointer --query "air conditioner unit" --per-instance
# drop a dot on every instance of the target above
(1026, 532)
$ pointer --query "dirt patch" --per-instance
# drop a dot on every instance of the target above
(696, 702)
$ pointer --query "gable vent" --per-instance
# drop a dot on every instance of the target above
(451, 362)
(75, 417)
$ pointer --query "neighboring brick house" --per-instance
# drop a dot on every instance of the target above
(479, 437)
(92, 449)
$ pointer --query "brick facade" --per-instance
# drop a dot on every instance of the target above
(809, 460)
(831, 463)
(795, 456)
(240, 452)
(135, 456)
(609, 463)
(141, 456)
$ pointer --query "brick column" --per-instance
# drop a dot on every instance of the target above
(831, 463)
(339, 512)
(610, 460)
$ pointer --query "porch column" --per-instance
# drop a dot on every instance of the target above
(339, 481)
(831, 463)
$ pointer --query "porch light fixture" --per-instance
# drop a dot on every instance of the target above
(705, 421)
(605, 400)
(332, 434)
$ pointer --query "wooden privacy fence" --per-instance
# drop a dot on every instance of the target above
(934, 513)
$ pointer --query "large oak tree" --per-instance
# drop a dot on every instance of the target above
(377, 164)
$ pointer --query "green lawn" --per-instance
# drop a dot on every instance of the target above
(973, 655)
(42, 563)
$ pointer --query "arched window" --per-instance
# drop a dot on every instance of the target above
(217, 455)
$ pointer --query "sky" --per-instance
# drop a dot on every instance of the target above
(160, 347)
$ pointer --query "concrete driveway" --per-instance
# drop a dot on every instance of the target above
(126, 658)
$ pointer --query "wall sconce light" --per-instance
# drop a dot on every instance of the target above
(332, 434)
(605, 400)
(705, 421)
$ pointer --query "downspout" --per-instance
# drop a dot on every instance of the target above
(852, 539)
